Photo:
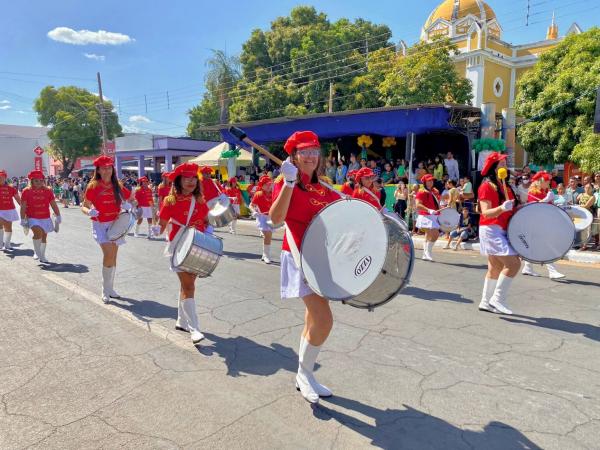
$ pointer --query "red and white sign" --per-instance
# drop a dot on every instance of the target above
(110, 148)
(38, 150)
(38, 163)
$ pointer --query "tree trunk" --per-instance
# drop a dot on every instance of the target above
(67, 167)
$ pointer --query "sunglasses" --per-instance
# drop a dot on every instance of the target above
(314, 152)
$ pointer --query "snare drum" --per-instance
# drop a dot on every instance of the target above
(448, 219)
(354, 254)
(197, 252)
(120, 226)
(541, 232)
(583, 221)
(221, 212)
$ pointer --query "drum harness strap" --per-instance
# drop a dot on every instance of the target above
(372, 194)
(169, 249)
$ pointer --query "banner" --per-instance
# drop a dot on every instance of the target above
(38, 163)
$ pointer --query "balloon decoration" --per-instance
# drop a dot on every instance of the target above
(364, 142)
(487, 144)
(388, 142)
(231, 153)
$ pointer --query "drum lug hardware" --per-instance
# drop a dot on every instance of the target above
(383, 271)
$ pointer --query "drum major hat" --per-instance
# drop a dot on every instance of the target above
(352, 173)
(542, 174)
(3, 173)
(264, 180)
(103, 161)
(35, 175)
(206, 170)
(491, 160)
(300, 140)
(365, 172)
(187, 170)
(143, 180)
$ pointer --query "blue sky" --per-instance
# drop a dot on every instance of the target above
(161, 46)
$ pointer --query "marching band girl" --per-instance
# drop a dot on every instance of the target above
(299, 196)
(185, 207)
(540, 191)
(235, 195)
(36, 201)
(8, 213)
(365, 190)
(496, 210)
(103, 200)
(427, 203)
(143, 197)
(261, 204)
(348, 186)
(164, 188)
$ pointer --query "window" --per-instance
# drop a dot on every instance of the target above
(498, 87)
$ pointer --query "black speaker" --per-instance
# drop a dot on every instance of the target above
(597, 114)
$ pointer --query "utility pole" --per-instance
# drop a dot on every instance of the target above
(101, 107)
(528, 10)
(331, 92)
(367, 52)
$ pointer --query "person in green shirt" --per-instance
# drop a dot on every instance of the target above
(388, 174)
(438, 170)
(401, 170)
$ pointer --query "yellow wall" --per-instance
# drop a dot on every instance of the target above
(461, 67)
(491, 72)
(534, 50)
(496, 46)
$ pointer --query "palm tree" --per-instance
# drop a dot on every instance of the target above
(223, 73)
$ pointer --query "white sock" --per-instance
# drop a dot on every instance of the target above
(7, 238)
(36, 247)
(2, 236)
(307, 355)
(267, 251)
(43, 250)
(489, 285)
(137, 228)
(106, 278)
(502, 287)
(527, 267)
(430, 245)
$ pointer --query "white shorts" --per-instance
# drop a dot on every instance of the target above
(147, 212)
(10, 215)
(429, 222)
(45, 224)
(99, 230)
(293, 284)
(261, 223)
(493, 241)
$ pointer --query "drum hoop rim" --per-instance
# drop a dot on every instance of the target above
(347, 199)
(536, 261)
(131, 221)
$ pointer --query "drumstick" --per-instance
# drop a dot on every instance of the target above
(242, 136)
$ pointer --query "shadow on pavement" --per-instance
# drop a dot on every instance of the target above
(65, 267)
(12, 254)
(581, 282)
(585, 329)
(410, 428)
(428, 295)
(146, 309)
(241, 255)
(244, 356)
(464, 265)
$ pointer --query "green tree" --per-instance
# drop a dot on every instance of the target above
(204, 114)
(73, 116)
(557, 96)
(223, 73)
(425, 75)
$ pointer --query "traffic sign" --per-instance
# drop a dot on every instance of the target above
(38, 150)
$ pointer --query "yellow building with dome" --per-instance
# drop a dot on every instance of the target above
(493, 65)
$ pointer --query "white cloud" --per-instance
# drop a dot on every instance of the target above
(21, 112)
(131, 129)
(104, 97)
(4, 102)
(84, 37)
(94, 56)
(3, 107)
(139, 119)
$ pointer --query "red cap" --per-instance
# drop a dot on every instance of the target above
(187, 170)
(36, 175)
(265, 179)
(143, 180)
(300, 140)
(165, 175)
(206, 169)
(491, 160)
(427, 177)
(103, 161)
(171, 176)
(352, 173)
(3, 173)
(232, 180)
(542, 174)
(363, 173)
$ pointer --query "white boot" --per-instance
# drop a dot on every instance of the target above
(111, 287)
(106, 280)
(149, 231)
(36, 248)
(232, 226)
(498, 300)
(266, 257)
(528, 270)
(136, 231)
(189, 310)
(2, 238)
(304, 378)
(427, 247)
(181, 323)
(553, 273)
(43, 252)
(7, 238)
(322, 390)
(489, 285)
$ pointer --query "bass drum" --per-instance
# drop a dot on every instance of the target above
(541, 232)
(583, 221)
(120, 226)
(353, 254)
(449, 218)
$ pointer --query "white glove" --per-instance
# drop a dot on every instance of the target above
(507, 205)
(549, 197)
(126, 206)
(289, 172)
(431, 212)
(57, 219)
(93, 212)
